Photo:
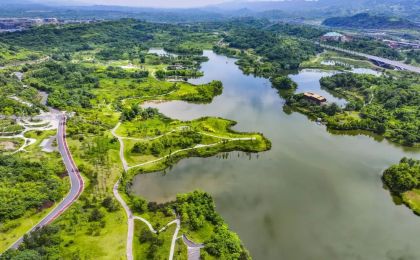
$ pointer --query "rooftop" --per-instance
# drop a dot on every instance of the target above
(333, 34)
(315, 96)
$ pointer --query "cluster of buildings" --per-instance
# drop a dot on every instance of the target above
(19, 24)
(380, 36)
(402, 44)
(335, 37)
(15, 24)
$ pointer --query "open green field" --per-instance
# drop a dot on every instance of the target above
(9, 127)
(412, 199)
(10, 145)
(11, 55)
(157, 142)
(331, 60)
(148, 245)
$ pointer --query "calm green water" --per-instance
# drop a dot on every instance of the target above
(313, 196)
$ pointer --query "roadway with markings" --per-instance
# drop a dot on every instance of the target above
(392, 63)
(76, 181)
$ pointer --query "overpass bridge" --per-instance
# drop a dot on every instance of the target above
(382, 62)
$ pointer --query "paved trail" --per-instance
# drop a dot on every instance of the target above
(192, 248)
(76, 181)
(191, 148)
(131, 217)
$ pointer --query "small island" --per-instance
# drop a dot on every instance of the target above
(403, 181)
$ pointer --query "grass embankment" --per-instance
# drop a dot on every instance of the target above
(157, 142)
(403, 181)
(330, 60)
(9, 127)
(154, 142)
(386, 105)
(412, 200)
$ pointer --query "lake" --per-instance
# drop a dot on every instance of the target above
(314, 195)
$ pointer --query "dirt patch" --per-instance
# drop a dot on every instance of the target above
(47, 204)
(7, 146)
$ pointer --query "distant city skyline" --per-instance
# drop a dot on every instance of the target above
(142, 3)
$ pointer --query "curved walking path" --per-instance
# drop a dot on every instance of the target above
(76, 182)
(130, 222)
(129, 213)
(127, 167)
(138, 97)
(191, 148)
(192, 248)
(174, 238)
(26, 128)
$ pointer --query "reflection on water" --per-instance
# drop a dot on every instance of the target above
(308, 81)
(315, 195)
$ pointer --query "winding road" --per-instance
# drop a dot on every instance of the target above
(76, 182)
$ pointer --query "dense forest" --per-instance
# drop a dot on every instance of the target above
(281, 52)
(402, 177)
(14, 95)
(196, 209)
(26, 184)
(370, 46)
(403, 181)
(369, 21)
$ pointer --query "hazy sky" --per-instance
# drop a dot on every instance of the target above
(150, 3)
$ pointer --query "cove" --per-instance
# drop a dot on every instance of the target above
(315, 195)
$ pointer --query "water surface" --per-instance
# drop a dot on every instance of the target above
(315, 195)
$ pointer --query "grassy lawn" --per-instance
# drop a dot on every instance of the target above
(181, 252)
(9, 127)
(412, 199)
(81, 236)
(160, 137)
(14, 229)
(143, 248)
(10, 56)
(79, 240)
(331, 60)
(10, 145)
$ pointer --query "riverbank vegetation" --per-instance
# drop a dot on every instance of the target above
(387, 105)
(103, 73)
(403, 181)
(152, 137)
(199, 222)
(104, 79)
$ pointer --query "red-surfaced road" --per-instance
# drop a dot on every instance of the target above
(76, 181)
